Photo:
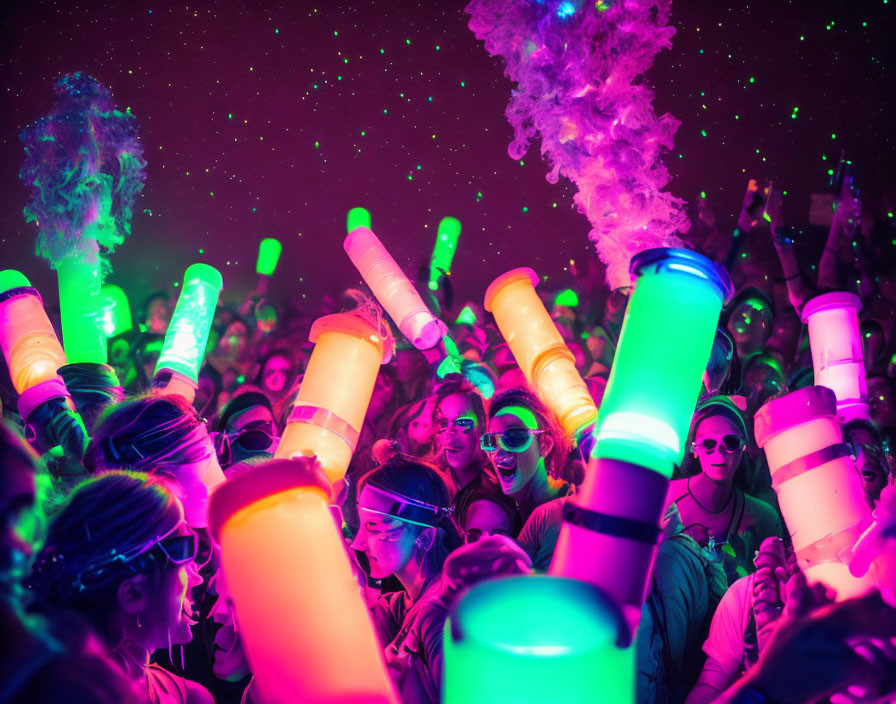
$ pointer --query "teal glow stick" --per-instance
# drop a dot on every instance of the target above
(268, 255)
(650, 397)
(116, 315)
(443, 252)
(357, 217)
(81, 310)
(535, 639)
(187, 334)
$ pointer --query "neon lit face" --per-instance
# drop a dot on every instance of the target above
(488, 518)
(457, 434)
(276, 373)
(387, 541)
(420, 429)
(515, 469)
(750, 324)
(719, 463)
(18, 523)
(229, 657)
(869, 462)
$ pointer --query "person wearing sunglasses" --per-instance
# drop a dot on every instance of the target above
(525, 447)
(120, 554)
(714, 508)
(406, 531)
(245, 429)
(458, 420)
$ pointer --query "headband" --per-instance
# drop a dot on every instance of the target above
(406, 509)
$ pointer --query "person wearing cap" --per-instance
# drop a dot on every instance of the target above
(245, 428)
(727, 522)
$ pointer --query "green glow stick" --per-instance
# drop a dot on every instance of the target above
(466, 317)
(116, 315)
(81, 310)
(187, 334)
(650, 397)
(536, 639)
(268, 255)
(357, 217)
(567, 298)
(443, 252)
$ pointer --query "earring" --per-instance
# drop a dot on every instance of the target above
(139, 625)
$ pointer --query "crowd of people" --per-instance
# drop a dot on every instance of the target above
(112, 587)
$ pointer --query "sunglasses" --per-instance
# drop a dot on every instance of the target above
(179, 549)
(254, 437)
(729, 443)
(464, 425)
(511, 440)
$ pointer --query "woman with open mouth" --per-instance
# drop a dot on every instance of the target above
(527, 448)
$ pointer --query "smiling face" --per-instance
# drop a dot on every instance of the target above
(869, 462)
(457, 436)
(515, 469)
(718, 463)
(388, 542)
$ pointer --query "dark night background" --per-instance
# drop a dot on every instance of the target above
(272, 119)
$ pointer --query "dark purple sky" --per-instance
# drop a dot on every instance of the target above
(272, 119)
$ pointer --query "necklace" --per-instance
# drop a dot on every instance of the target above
(703, 508)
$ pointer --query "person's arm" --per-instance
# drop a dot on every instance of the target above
(798, 291)
(844, 224)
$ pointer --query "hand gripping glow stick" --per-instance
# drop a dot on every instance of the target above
(393, 289)
(833, 320)
(177, 370)
(30, 346)
(357, 217)
(611, 525)
(306, 631)
(545, 360)
(536, 639)
(329, 411)
(268, 255)
(443, 251)
(116, 311)
(819, 490)
(81, 310)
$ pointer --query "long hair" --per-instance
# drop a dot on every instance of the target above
(555, 460)
(150, 433)
(116, 513)
(402, 475)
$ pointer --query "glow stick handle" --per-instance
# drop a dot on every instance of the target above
(81, 310)
(187, 335)
(444, 249)
(393, 289)
(269, 251)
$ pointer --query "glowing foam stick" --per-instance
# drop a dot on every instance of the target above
(306, 632)
(81, 310)
(443, 252)
(610, 528)
(833, 320)
(269, 251)
(567, 298)
(116, 311)
(819, 490)
(537, 639)
(30, 346)
(357, 217)
(187, 335)
(329, 411)
(393, 289)
(544, 358)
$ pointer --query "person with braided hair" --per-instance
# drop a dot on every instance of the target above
(406, 530)
(120, 555)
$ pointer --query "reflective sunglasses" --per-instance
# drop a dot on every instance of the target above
(729, 443)
(254, 437)
(464, 425)
(511, 440)
(179, 549)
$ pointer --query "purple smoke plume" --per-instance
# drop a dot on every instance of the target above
(578, 70)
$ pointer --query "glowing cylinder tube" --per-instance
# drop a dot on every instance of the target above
(819, 490)
(833, 320)
(357, 217)
(30, 346)
(443, 251)
(611, 526)
(535, 639)
(269, 251)
(307, 633)
(81, 310)
(332, 401)
(177, 370)
(543, 357)
(393, 289)
(116, 311)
